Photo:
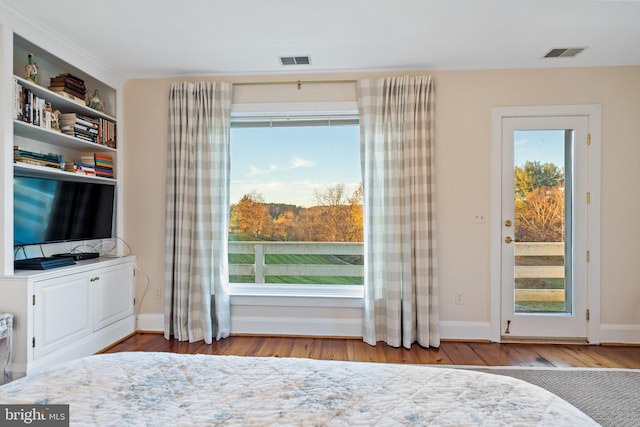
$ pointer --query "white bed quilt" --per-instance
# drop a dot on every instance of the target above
(166, 389)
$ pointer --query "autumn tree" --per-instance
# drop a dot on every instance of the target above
(356, 215)
(337, 218)
(539, 202)
(250, 216)
(541, 217)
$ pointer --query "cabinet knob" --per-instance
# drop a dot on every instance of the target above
(93, 279)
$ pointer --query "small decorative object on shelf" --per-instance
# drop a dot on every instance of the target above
(52, 118)
(96, 103)
(31, 69)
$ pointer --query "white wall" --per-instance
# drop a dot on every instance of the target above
(464, 100)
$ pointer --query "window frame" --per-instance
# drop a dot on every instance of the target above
(295, 114)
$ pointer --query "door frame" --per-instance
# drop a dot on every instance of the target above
(593, 113)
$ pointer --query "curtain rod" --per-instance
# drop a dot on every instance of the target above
(294, 82)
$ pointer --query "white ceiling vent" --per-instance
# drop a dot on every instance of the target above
(295, 60)
(565, 52)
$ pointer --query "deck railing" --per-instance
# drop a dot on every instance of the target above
(333, 253)
(259, 269)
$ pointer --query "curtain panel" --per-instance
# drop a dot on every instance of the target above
(197, 204)
(398, 162)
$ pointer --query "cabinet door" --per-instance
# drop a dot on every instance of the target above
(112, 295)
(60, 313)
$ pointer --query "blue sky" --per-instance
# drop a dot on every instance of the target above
(286, 164)
(545, 146)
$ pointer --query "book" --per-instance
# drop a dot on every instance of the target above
(71, 97)
(65, 90)
(38, 159)
(80, 168)
(68, 85)
(17, 151)
(66, 77)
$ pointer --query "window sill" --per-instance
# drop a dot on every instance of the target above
(297, 295)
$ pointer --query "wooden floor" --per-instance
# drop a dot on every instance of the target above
(449, 353)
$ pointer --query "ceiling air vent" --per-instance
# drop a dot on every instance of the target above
(295, 60)
(566, 52)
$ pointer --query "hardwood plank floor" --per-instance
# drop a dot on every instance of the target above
(449, 353)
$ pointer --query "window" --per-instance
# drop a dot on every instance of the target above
(296, 198)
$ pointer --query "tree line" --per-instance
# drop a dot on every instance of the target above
(337, 217)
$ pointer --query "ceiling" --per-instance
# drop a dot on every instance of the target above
(164, 38)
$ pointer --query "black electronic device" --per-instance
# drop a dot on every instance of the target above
(41, 263)
(78, 256)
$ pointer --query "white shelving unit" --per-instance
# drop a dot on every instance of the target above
(27, 136)
(83, 308)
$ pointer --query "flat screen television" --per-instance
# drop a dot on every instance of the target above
(47, 210)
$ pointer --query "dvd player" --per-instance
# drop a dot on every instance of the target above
(78, 256)
(41, 263)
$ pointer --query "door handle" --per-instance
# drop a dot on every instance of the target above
(508, 239)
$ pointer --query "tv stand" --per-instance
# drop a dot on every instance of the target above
(78, 256)
(69, 312)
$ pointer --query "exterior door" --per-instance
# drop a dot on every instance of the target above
(544, 227)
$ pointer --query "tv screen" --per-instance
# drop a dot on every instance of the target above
(49, 210)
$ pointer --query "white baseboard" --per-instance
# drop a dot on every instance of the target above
(349, 327)
(619, 334)
(470, 331)
(352, 327)
(152, 322)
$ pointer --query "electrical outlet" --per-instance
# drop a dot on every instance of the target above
(459, 298)
(479, 218)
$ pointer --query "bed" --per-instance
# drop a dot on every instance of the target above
(147, 388)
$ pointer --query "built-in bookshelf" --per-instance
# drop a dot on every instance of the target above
(50, 120)
(87, 150)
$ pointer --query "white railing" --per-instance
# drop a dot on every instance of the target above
(260, 268)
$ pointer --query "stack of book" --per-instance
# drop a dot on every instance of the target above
(32, 158)
(69, 86)
(79, 126)
(106, 133)
(80, 168)
(29, 108)
(102, 163)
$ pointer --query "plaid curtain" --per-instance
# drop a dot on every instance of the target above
(397, 152)
(197, 212)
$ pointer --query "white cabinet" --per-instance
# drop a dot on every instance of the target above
(60, 313)
(69, 312)
(112, 296)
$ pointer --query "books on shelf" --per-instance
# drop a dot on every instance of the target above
(30, 108)
(34, 110)
(69, 86)
(101, 162)
(79, 126)
(80, 168)
(51, 160)
(106, 132)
